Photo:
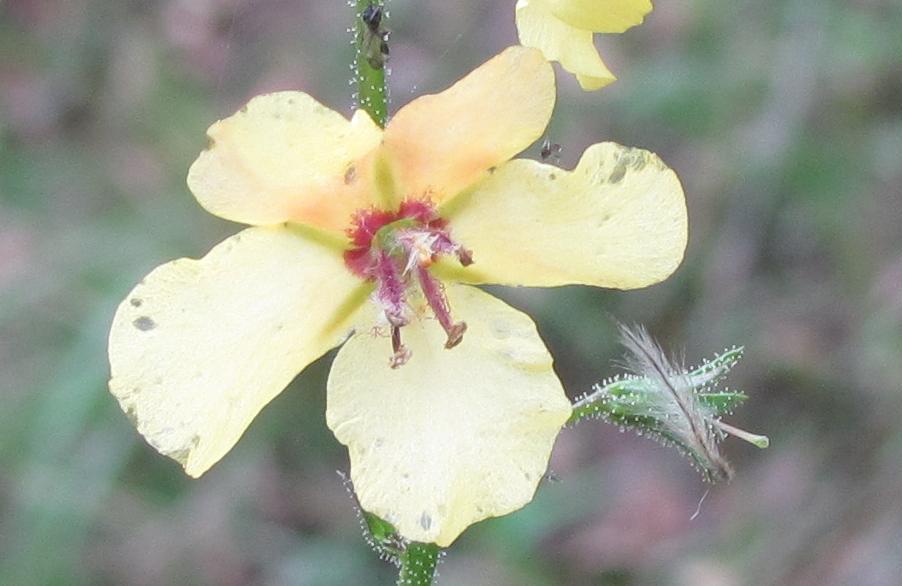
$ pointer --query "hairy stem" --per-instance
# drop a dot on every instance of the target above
(371, 45)
(418, 564)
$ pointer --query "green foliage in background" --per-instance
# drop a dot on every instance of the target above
(784, 121)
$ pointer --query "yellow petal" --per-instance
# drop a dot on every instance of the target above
(286, 157)
(600, 16)
(617, 220)
(440, 144)
(200, 346)
(453, 436)
(572, 47)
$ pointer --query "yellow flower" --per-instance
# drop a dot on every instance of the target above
(378, 232)
(563, 30)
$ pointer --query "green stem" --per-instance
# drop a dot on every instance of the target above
(369, 63)
(418, 564)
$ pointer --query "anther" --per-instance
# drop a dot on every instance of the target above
(464, 256)
(455, 334)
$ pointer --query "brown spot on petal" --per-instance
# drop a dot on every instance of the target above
(135, 302)
(144, 323)
(181, 455)
(132, 415)
(618, 173)
(350, 175)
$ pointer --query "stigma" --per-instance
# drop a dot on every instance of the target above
(395, 250)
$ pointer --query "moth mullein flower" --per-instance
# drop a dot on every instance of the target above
(564, 29)
(445, 396)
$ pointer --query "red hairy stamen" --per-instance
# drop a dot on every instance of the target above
(438, 301)
(391, 290)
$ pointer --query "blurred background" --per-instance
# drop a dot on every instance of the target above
(783, 120)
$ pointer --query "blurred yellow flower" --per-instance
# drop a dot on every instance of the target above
(356, 229)
(563, 30)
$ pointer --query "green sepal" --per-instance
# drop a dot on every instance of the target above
(384, 538)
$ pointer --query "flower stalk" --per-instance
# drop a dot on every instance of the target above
(418, 564)
(371, 55)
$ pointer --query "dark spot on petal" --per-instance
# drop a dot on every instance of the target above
(425, 521)
(350, 175)
(618, 173)
(243, 110)
(635, 159)
(144, 323)
(211, 142)
(552, 176)
(132, 415)
(181, 455)
(492, 169)
(136, 302)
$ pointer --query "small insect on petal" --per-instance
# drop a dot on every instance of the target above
(375, 37)
(550, 150)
